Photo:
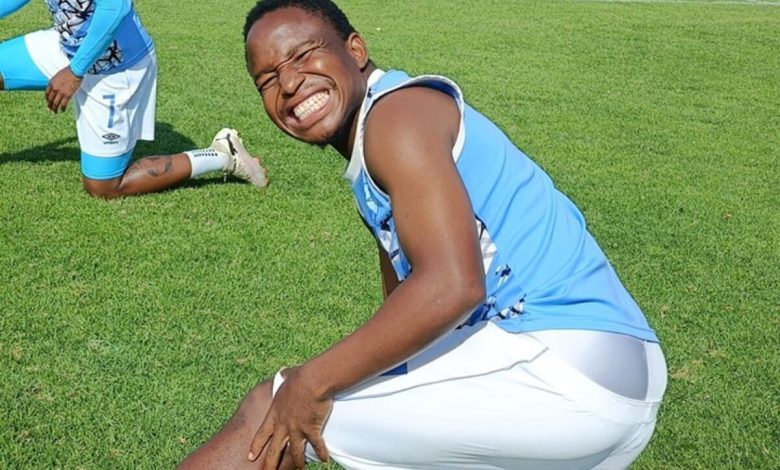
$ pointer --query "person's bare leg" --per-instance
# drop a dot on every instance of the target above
(228, 448)
(151, 174)
(147, 175)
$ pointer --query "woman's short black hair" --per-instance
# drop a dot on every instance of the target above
(324, 9)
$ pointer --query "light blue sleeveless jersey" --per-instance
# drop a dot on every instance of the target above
(543, 269)
(100, 43)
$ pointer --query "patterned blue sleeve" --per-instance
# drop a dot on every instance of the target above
(105, 21)
(9, 6)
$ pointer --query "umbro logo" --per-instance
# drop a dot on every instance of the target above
(111, 136)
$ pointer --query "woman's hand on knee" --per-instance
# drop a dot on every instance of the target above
(296, 416)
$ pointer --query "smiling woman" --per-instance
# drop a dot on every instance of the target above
(307, 76)
(505, 340)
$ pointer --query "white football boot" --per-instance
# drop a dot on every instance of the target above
(241, 164)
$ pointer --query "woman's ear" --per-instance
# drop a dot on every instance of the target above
(357, 48)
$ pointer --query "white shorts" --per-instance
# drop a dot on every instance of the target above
(113, 111)
(483, 398)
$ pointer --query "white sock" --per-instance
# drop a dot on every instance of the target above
(205, 160)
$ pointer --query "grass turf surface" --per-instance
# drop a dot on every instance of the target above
(130, 329)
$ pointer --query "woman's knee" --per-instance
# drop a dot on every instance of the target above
(106, 189)
(255, 405)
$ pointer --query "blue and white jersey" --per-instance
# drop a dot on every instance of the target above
(100, 36)
(543, 269)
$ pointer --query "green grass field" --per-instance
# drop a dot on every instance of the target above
(130, 329)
